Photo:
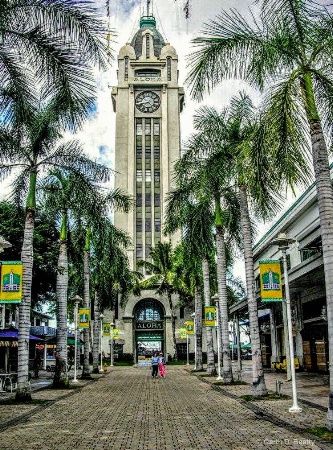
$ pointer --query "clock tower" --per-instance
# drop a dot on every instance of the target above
(147, 102)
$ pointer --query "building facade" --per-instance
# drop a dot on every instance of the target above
(147, 102)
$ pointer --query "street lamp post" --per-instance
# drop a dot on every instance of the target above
(4, 244)
(111, 344)
(187, 347)
(283, 242)
(215, 299)
(101, 317)
(76, 300)
(193, 315)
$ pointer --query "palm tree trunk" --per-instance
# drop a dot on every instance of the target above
(198, 328)
(86, 304)
(210, 369)
(223, 305)
(60, 379)
(173, 325)
(23, 392)
(258, 379)
(325, 205)
(96, 335)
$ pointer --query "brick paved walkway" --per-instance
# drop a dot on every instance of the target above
(127, 410)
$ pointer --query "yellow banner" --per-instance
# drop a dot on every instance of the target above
(189, 327)
(270, 281)
(84, 317)
(182, 333)
(115, 333)
(210, 316)
(11, 282)
(106, 329)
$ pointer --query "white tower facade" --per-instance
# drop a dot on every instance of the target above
(147, 101)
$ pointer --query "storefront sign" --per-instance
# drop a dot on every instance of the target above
(148, 325)
(11, 282)
(147, 79)
(270, 281)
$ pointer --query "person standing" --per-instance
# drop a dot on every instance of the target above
(154, 364)
(36, 364)
(161, 365)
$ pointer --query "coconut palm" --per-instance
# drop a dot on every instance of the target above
(37, 148)
(68, 194)
(288, 50)
(109, 267)
(162, 277)
(234, 127)
(52, 47)
(209, 180)
(196, 221)
(100, 230)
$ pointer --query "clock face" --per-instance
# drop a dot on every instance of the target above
(147, 101)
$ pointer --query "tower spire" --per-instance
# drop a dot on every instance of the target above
(148, 3)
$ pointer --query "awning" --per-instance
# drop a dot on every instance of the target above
(13, 334)
(70, 341)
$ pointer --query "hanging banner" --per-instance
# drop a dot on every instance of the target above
(189, 327)
(11, 282)
(182, 333)
(84, 317)
(270, 281)
(115, 333)
(210, 316)
(106, 329)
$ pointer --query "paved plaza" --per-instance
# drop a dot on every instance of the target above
(125, 409)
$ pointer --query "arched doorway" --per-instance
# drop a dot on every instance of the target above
(149, 329)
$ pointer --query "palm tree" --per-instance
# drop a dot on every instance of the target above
(52, 63)
(162, 277)
(196, 221)
(288, 49)
(68, 194)
(100, 230)
(37, 149)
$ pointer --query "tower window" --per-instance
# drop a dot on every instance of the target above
(156, 152)
(148, 73)
(148, 224)
(139, 224)
(148, 200)
(147, 128)
(139, 127)
(157, 224)
(157, 175)
(126, 68)
(168, 61)
(139, 199)
(147, 45)
(139, 251)
(148, 176)
(157, 199)
(139, 175)
(156, 127)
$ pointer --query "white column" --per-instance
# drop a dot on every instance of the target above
(295, 407)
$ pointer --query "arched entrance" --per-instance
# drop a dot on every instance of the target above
(149, 329)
